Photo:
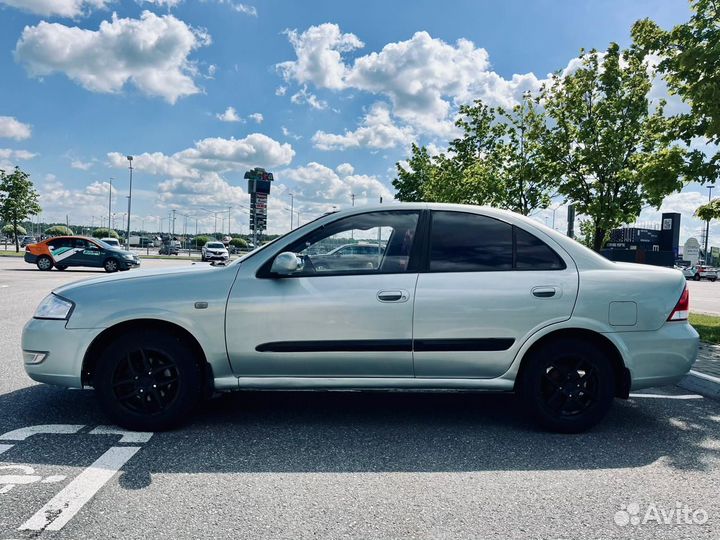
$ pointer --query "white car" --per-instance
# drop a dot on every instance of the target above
(696, 273)
(464, 297)
(214, 251)
(111, 241)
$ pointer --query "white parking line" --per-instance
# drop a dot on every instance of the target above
(23, 433)
(664, 396)
(127, 436)
(63, 506)
(704, 376)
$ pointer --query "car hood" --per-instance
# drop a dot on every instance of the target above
(166, 273)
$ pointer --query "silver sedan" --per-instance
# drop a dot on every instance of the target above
(458, 297)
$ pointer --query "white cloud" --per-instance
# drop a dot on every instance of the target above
(344, 169)
(287, 133)
(280, 90)
(319, 56)
(162, 3)
(230, 115)
(10, 157)
(247, 9)
(213, 154)
(318, 187)
(376, 131)
(424, 78)
(11, 128)
(256, 117)
(303, 96)
(81, 165)
(150, 52)
(60, 8)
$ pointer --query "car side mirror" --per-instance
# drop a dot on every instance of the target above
(286, 263)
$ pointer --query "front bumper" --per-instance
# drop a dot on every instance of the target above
(130, 263)
(65, 350)
(216, 257)
(660, 357)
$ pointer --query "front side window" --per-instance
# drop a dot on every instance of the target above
(377, 242)
(463, 242)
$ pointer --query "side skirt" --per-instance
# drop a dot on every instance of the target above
(365, 383)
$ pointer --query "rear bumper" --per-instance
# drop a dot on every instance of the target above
(660, 357)
(30, 258)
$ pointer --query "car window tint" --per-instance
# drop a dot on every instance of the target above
(462, 242)
(57, 243)
(387, 239)
(534, 254)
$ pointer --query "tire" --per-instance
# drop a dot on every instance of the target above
(111, 265)
(567, 385)
(126, 392)
(61, 267)
(713, 279)
(696, 277)
(44, 263)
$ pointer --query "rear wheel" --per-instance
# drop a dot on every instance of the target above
(567, 386)
(44, 263)
(713, 279)
(61, 267)
(147, 380)
(110, 265)
(696, 277)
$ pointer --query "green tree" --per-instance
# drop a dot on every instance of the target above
(690, 63)
(239, 243)
(611, 153)
(59, 230)
(18, 199)
(9, 230)
(411, 180)
(103, 232)
(709, 211)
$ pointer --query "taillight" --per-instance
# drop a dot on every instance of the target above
(680, 313)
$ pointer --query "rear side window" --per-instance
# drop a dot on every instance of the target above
(463, 242)
(534, 254)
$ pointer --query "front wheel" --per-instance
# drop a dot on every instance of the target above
(567, 386)
(696, 277)
(713, 279)
(110, 265)
(147, 381)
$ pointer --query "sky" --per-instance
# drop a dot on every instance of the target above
(326, 95)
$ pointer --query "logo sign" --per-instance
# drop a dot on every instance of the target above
(667, 224)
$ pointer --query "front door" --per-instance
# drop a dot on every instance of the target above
(489, 285)
(326, 319)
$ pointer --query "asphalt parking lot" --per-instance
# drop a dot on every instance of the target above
(344, 464)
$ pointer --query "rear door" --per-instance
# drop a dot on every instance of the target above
(488, 286)
(63, 251)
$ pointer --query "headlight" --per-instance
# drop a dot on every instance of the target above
(54, 307)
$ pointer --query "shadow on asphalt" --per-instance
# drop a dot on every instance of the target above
(370, 432)
(66, 271)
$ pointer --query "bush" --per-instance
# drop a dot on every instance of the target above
(7, 230)
(238, 243)
(200, 241)
(59, 230)
(105, 233)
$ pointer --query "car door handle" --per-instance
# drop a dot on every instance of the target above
(544, 292)
(393, 296)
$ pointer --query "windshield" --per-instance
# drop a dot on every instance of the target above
(215, 245)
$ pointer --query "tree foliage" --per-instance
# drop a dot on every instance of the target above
(496, 161)
(103, 232)
(18, 199)
(238, 242)
(9, 230)
(59, 230)
(690, 63)
(709, 211)
(610, 150)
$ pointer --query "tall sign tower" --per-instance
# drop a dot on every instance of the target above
(259, 188)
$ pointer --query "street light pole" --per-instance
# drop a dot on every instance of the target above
(130, 160)
(110, 202)
(292, 203)
(707, 224)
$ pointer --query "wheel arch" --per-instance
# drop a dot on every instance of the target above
(622, 374)
(103, 339)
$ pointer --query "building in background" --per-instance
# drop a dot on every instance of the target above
(659, 247)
